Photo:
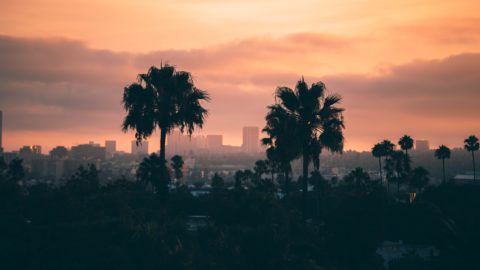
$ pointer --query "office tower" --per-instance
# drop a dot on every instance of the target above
(251, 139)
(214, 142)
(422, 145)
(1, 130)
(110, 148)
(141, 149)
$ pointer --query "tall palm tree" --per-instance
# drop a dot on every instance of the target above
(317, 121)
(395, 168)
(163, 98)
(282, 143)
(406, 143)
(472, 145)
(380, 150)
(443, 153)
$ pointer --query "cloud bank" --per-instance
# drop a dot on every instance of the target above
(63, 87)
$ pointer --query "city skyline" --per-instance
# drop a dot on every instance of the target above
(63, 73)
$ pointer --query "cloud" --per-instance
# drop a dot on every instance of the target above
(63, 86)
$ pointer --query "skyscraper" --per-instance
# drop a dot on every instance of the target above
(110, 148)
(1, 130)
(251, 141)
(140, 149)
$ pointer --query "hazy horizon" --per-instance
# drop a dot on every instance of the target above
(401, 68)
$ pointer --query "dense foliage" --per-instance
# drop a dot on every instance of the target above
(124, 225)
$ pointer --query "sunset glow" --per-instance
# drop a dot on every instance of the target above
(404, 67)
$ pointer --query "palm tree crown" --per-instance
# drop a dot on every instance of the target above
(163, 98)
(406, 143)
(443, 152)
(471, 144)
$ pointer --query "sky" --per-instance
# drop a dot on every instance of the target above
(402, 67)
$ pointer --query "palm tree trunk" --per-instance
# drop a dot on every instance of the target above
(163, 137)
(474, 172)
(443, 163)
(380, 167)
(305, 183)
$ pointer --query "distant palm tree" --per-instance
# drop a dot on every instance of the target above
(395, 167)
(177, 165)
(472, 145)
(420, 178)
(316, 121)
(163, 98)
(261, 168)
(406, 143)
(380, 150)
(443, 153)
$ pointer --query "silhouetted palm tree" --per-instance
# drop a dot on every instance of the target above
(359, 179)
(261, 168)
(395, 167)
(283, 145)
(380, 150)
(443, 153)
(177, 165)
(419, 178)
(152, 173)
(406, 143)
(163, 98)
(472, 145)
(316, 120)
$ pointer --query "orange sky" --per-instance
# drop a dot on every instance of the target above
(402, 67)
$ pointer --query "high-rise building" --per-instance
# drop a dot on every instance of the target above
(251, 141)
(214, 142)
(422, 145)
(110, 148)
(1, 130)
(140, 149)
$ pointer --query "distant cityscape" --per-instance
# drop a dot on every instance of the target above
(204, 155)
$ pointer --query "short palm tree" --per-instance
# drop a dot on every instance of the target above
(163, 98)
(419, 178)
(443, 153)
(316, 120)
(406, 143)
(177, 165)
(472, 145)
(153, 175)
